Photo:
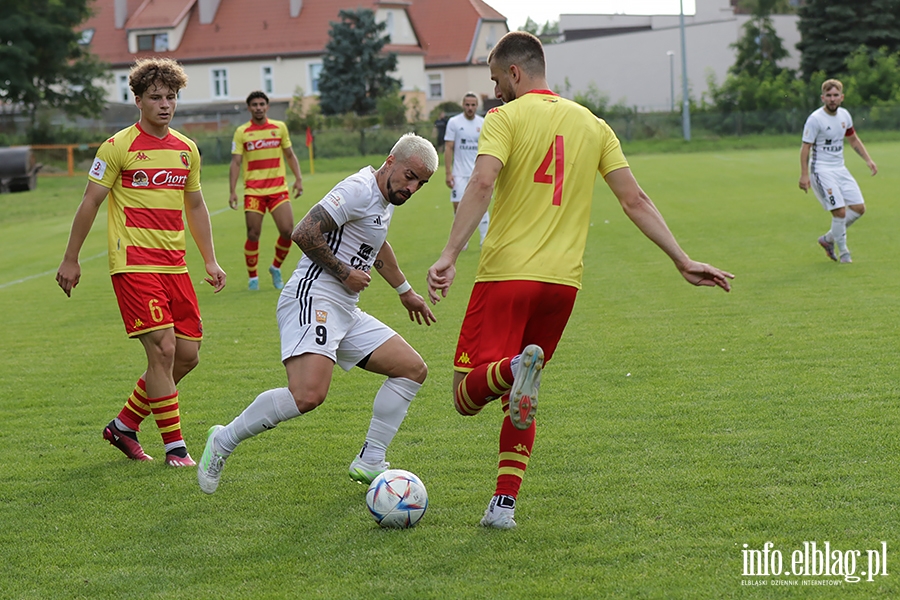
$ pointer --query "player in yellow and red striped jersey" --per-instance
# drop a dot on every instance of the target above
(151, 174)
(260, 148)
(544, 153)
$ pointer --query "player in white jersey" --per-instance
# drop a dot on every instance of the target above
(460, 151)
(822, 168)
(342, 237)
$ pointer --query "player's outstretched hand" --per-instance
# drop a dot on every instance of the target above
(68, 276)
(699, 273)
(216, 277)
(417, 307)
(440, 278)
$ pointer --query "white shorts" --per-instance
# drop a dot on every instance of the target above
(835, 188)
(322, 326)
(459, 188)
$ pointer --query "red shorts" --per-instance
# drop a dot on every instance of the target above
(505, 316)
(151, 301)
(259, 204)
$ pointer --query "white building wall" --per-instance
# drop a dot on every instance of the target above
(634, 68)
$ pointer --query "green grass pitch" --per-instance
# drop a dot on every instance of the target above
(677, 424)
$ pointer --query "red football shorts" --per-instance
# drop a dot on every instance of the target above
(151, 301)
(505, 316)
(259, 204)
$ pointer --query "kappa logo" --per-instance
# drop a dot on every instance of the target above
(138, 323)
(522, 449)
(464, 359)
(141, 156)
(321, 316)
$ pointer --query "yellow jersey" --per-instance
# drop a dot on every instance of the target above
(262, 148)
(146, 177)
(551, 149)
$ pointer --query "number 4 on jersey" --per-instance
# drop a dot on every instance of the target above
(556, 155)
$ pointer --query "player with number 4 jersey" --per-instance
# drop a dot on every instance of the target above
(539, 154)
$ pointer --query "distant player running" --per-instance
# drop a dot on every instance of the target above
(822, 168)
(261, 147)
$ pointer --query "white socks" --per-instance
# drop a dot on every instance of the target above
(388, 411)
(268, 410)
(839, 233)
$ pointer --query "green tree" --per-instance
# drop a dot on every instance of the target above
(759, 49)
(755, 81)
(873, 79)
(355, 70)
(831, 30)
(42, 62)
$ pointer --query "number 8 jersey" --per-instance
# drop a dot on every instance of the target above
(551, 149)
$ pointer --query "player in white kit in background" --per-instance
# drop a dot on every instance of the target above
(460, 151)
(342, 237)
(822, 168)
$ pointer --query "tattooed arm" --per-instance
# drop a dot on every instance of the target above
(309, 235)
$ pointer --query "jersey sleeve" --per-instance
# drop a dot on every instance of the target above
(345, 202)
(237, 142)
(611, 155)
(107, 164)
(849, 129)
(496, 136)
(193, 181)
(810, 130)
(285, 136)
(450, 133)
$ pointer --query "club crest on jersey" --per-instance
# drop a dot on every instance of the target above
(185, 160)
(321, 316)
(140, 179)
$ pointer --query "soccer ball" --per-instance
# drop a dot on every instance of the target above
(397, 499)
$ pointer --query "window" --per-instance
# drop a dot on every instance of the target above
(124, 91)
(156, 42)
(435, 85)
(491, 37)
(86, 37)
(314, 71)
(267, 85)
(389, 24)
(220, 83)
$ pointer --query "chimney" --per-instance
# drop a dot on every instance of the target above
(208, 10)
(123, 9)
(296, 7)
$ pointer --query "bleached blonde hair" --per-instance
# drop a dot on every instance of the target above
(410, 145)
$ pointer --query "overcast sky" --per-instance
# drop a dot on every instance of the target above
(541, 11)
